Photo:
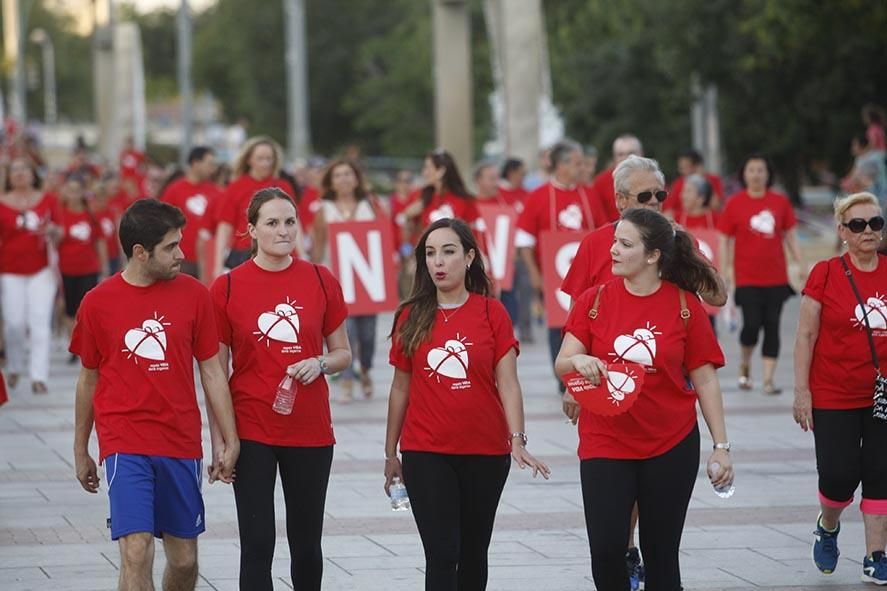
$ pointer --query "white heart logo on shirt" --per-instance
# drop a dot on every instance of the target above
(149, 341)
(280, 325)
(28, 220)
(80, 231)
(451, 360)
(570, 217)
(107, 227)
(444, 211)
(620, 385)
(763, 223)
(638, 347)
(876, 310)
(196, 204)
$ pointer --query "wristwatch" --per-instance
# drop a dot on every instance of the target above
(521, 435)
(724, 446)
(324, 368)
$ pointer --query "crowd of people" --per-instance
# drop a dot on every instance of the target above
(231, 268)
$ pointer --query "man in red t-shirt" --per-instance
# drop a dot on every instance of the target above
(691, 162)
(137, 335)
(193, 194)
(602, 192)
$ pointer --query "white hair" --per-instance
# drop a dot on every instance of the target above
(631, 165)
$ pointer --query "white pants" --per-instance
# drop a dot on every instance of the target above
(27, 312)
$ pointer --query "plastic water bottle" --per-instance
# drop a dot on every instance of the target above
(400, 501)
(725, 491)
(286, 395)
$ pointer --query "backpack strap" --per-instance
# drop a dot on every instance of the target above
(597, 301)
(685, 312)
(228, 293)
(320, 279)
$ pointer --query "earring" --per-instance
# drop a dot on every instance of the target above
(468, 266)
(845, 243)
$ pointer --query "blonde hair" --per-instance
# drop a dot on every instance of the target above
(843, 204)
(241, 163)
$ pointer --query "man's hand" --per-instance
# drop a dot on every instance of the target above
(87, 472)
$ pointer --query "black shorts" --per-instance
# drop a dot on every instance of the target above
(74, 288)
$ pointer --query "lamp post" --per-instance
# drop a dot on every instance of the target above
(50, 106)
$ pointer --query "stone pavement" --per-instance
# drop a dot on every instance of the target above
(52, 533)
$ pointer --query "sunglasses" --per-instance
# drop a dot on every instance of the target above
(645, 196)
(857, 225)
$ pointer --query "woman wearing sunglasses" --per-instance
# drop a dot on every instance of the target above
(834, 379)
(755, 225)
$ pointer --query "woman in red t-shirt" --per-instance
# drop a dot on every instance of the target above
(274, 314)
(27, 282)
(834, 377)
(757, 224)
(397, 203)
(256, 167)
(648, 315)
(455, 406)
(83, 254)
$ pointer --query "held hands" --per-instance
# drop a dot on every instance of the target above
(525, 459)
(87, 472)
(305, 371)
(724, 477)
(224, 459)
(802, 410)
(393, 469)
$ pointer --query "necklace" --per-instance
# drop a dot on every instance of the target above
(455, 310)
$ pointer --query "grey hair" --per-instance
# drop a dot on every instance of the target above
(628, 137)
(561, 151)
(631, 165)
(702, 186)
(483, 165)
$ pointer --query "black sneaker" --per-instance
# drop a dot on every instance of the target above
(635, 568)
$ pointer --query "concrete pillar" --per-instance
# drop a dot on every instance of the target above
(183, 71)
(103, 77)
(705, 123)
(14, 52)
(453, 82)
(517, 38)
(298, 137)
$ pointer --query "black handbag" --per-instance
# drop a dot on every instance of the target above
(879, 406)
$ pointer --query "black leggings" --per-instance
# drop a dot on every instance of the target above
(454, 500)
(304, 474)
(74, 288)
(662, 487)
(850, 448)
(761, 308)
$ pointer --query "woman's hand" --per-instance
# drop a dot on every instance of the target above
(305, 371)
(591, 368)
(525, 459)
(392, 469)
(571, 407)
(724, 476)
(802, 410)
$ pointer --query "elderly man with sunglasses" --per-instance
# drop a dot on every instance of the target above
(638, 182)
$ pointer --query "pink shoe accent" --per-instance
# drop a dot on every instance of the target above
(827, 502)
(873, 506)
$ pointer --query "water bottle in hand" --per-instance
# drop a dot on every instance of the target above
(726, 491)
(400, 501)
(286, 395)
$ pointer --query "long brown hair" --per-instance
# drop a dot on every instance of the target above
(450, 183)
(241, 162)
(262, 197)
(326, 182)
(422, 302)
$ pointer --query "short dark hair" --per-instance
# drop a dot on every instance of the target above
(146, 222)
(510, 166)
(198, 153)
(561, 152)
(757, 156)
(692, 155)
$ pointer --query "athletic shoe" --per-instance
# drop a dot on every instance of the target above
(874, 569)
(825, 548)
(635, 568)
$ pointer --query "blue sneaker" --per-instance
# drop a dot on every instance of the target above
(635, 568)
(825, 548)
(874, 569)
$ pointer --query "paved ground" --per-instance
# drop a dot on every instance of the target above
(52, 534)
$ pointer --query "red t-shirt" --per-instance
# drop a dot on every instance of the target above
(107, 219)
(271, 320)
(235, 202)
(646, 330)
(22, 244)
(77, 249)
(516, 197)
(449, 205)
(674, 203)
(841, 372)
(604, 195)
(759, 226)
(130, 161)
(454, 404)
(552, 208)
(145, 402)
(707, 220)
(398, 219)
(194, 200)
(309, 205)
(592, 264)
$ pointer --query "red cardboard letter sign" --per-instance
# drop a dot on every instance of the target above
(360, 253)
(557, 250)
(500, 222)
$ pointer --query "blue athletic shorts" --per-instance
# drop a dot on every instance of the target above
(155, 494)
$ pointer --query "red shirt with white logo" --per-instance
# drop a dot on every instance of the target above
(107, 220)
(515, 197)
(77, 249)
(841, 373)
(759, 226)
(194, 200)
(674, 202)
(271, 320)
(646, 330)
(145, 402)
(130, 162)
(454, 405)
(235, 202)
(707, 220)
(396, 205)
(449, 205)
(309, 204)
(23, 248)
(592, 264)
(603, 193)
(555, 208)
